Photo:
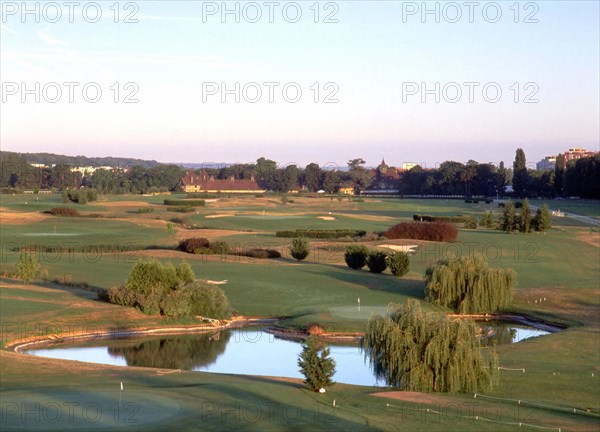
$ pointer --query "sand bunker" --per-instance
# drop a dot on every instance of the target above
(327, 218)
(403, 248)
(217, 216)
(12, 217)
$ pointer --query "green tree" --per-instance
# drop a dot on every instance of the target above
(542, 221)
(509, 219)
(468, 285)
(331, 181)
(28, 267)
(559, 175)
(377, 261)
(419, 351)
(315, 364)
(312, 177)
(399, 263)
(471, 222)
(525, 218)
(356, 256)
(208, 301)
(358, 174)
(520, 175)
(300, 248)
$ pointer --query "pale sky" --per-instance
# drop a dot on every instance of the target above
(370, 57)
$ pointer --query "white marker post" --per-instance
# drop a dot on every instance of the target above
(358, 304)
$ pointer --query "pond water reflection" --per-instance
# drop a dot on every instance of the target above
(249, 350)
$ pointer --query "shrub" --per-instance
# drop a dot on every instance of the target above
(468, 285)
(432, 231)
(321, 234)
(121, 296)
(64, 211)
(399, 263)
(219, 248)
(487, 220)
(542, 221)
(501, 205)
(356, 256)
(471, 223)
(300, 248)
(181, 209)
(315, 364)
(28, 267)
(377, 261)
(518, 205)
(184, 202)
(200, 195)
(193, 244)
(177, 303)
(429, 218)
(260, 253)
(145, 210)
(422, 351)
(208, 301)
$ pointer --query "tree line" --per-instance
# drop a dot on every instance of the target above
(576, 178)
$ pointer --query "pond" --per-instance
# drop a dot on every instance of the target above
(249, 351)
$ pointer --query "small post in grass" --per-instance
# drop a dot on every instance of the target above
(358, 304)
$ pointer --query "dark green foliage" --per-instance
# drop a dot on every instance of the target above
(525, 218)
(86, 248)
(193, 244)
(321, 234)
(178, 352)
(471, 223)
(28, 267)
(520, 175)
(181, 209)
(300, 248)
(185, 202)
(399, 263)
(145, 210)
(419, 351)
(356, 256)
(542, 221)
(259, 253)
(509, 219)
(64, 211)
(315, 364)
(80, 196)
(467, 285)
(429, 218)
(432, 231)
(377, 261)
(219, 248)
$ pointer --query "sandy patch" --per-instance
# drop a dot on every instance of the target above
(218, 216)
(403, 248)
(591, 238)
(20, 218)
(327, 218)
(374, 218)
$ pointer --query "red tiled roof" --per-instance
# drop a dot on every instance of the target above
(206, 182)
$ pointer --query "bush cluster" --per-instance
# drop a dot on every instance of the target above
(193, 195)
(181, 209)
(80, 196)
(432, 231)
(429, 218)
(164, 289)
(322, 234)
(64, 211)
(201, 246)
(300, 248)
(145, 210)
(357, 256)
(185, 202)
(259, 253)
(471, 222)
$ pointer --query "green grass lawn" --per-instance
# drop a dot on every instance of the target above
(561, 368)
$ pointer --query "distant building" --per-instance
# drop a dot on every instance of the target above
(549, 162)
(89, 170)
(577, 153)
(406, 166)
(203, 182)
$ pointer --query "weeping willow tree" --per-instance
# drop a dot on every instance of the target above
(468, 285)
(420, 351)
